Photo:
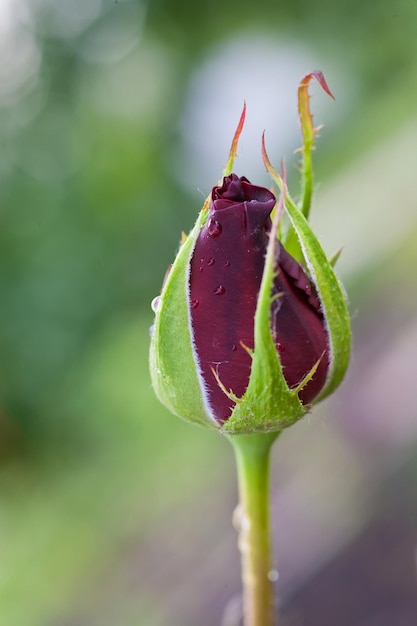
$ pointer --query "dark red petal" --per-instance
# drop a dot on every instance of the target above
(298, 327)
(226, 273)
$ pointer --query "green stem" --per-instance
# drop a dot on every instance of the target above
(252, 454)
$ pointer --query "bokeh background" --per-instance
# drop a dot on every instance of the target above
(116, 118)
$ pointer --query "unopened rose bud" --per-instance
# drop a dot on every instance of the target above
(245, 337)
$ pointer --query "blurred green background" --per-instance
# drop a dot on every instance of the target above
(116, 118)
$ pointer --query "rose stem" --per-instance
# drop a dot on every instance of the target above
(252, 453)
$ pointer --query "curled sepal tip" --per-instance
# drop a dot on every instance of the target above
(276, 176)
(235, 142)
(308, 133)
(306, 118)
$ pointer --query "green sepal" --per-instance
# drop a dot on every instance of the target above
(173, 366)
(331, 296)
(329, 289)
(290, 239)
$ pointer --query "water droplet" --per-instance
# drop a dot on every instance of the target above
(273, 575)
(281, 348)
(210, 261)
(234, 347)
(214, 228)
(200, 269)
(194, 303)
(237, 517)
(227, 263)
(220, 290)
(156, 303)
(151, 330)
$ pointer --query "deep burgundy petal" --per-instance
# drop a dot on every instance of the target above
(226, 273)
(298, 327)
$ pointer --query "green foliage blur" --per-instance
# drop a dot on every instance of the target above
(99, 486)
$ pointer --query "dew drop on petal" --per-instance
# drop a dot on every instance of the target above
(214, 228)
(227, 263)
(220, 290)
(281, 348)
(194, 303)
(234, 347)
(156, 303)
(210, 261)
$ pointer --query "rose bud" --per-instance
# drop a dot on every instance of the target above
(251, 326)
(216, 358)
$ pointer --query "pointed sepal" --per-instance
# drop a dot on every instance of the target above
(328, 287)
(173, 367)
